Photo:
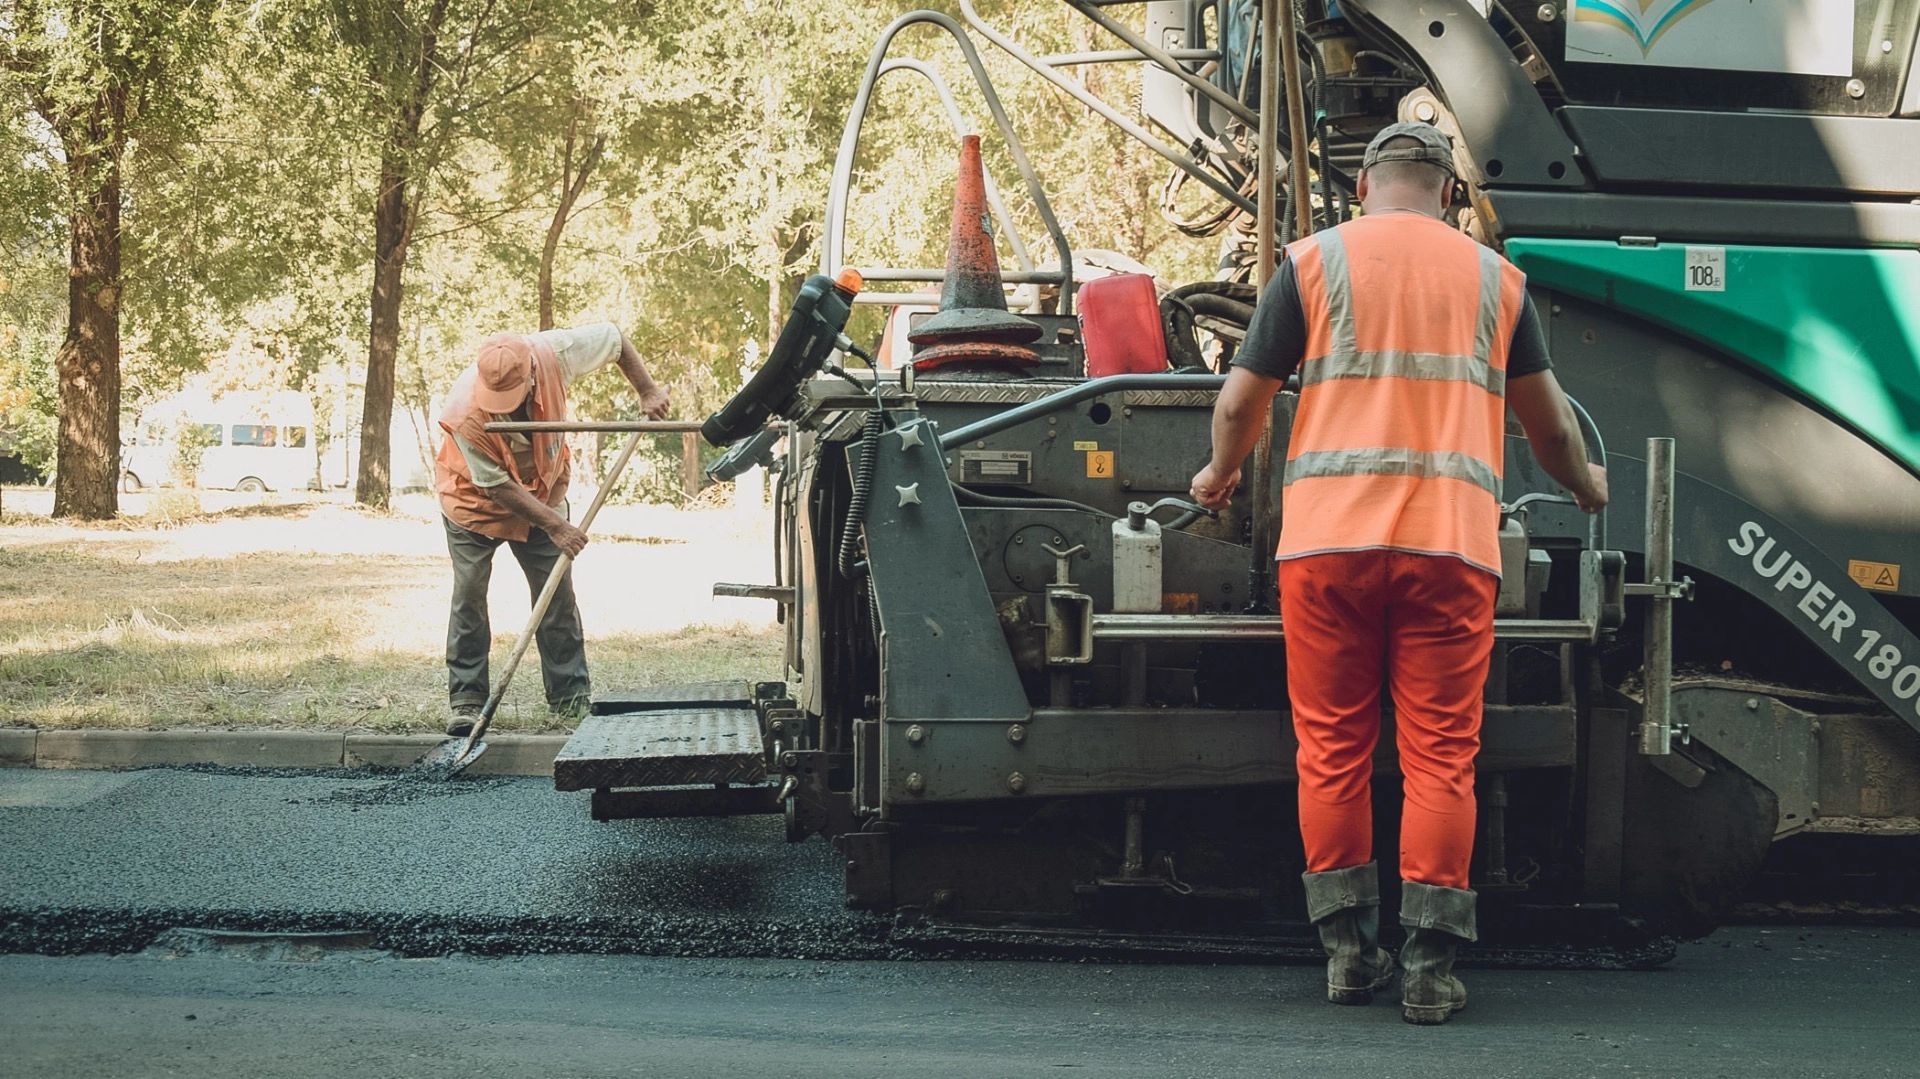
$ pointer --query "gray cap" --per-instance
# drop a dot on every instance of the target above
(1435, 147)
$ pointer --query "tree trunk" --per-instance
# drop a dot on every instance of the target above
(87, 483)
(393, 212)
(573, 182)
(390, 237)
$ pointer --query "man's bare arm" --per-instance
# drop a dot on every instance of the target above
(521, 503)
(653, 396)
(1242, 410)
(1554, 433)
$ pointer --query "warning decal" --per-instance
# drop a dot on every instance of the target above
(1880, 576)
(1100, 464)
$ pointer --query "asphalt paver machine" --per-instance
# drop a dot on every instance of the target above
(1028, 691)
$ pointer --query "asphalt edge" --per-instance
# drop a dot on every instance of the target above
(507, 754)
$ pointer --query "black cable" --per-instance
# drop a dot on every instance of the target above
(862, 490)
(1036, 502)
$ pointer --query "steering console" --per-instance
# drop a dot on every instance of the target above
(814, 324)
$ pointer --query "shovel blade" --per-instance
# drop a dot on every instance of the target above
(448, 759)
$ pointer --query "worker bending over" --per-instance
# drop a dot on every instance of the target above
(1410, 340)
(512, 488)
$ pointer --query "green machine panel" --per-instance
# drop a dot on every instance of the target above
(1839, 327)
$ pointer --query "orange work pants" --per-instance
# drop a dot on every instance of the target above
(1423, 625)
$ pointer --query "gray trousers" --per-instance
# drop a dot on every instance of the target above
(563, 651)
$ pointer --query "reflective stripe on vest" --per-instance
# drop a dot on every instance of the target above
(1398, 439)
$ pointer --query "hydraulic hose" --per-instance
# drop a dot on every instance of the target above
(1220, 307)
(862, 490)
(976, 498)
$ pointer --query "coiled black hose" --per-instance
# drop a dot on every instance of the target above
(862, 490)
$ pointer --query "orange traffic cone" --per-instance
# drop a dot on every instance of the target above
(974, 323)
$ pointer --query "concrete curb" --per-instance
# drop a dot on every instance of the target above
(17, 747)
(507, 754)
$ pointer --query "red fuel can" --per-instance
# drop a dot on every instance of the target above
(1120, 326)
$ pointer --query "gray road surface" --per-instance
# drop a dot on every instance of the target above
(102, 862)
(1752, 1003)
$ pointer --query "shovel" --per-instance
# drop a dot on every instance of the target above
(451, 757)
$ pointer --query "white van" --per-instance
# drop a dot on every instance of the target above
(250, 442)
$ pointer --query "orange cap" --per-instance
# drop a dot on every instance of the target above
(849, 281)
(506, 373)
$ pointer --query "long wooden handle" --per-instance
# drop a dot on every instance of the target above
(540, 604)
(657, 427)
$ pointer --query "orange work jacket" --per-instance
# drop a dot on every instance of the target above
(467, 505)
(1399, 437)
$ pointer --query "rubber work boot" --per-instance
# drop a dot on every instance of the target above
(1436, 919)
(1344, 904)
(464, 717)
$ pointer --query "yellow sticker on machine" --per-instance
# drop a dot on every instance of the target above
(1086, 445)
(1879, 576)
(1100, 464)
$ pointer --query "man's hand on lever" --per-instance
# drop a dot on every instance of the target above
(1213, 487)
(1240, 414)
(1594, 497)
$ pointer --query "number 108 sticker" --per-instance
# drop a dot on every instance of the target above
(1706, 269)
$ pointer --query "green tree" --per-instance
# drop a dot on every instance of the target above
(406, 84)
(89, 81)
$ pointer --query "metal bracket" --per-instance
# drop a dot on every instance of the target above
(1658, 731)
(777, 593)
(869, 869)
(1662, 589)
(1069, 612)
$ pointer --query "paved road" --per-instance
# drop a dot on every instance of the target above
(1749, 1003)
(102, 862)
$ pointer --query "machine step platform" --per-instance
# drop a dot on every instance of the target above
(701, 733)
(677, 696)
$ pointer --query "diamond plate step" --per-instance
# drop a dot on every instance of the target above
(662, 749)
(678, 697)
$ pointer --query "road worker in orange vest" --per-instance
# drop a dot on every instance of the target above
(1411, 341)
(512, 488)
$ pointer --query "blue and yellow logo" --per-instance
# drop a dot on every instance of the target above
(1646, 21)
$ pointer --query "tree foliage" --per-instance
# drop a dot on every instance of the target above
(345, 196)
(87, 84)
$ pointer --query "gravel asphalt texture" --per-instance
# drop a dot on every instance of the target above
(104, 861)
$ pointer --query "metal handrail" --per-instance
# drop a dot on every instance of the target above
(1169, 62)
(1096, 387)
(833, 251)
(1125, 56)
(1597, 527)
(1113, 116)
(962, 127)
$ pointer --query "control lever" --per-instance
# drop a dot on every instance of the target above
(1138, 512)
(1063, 562)
(1526, 500)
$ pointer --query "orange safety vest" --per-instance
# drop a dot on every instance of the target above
(1398, 440)
(467, 505)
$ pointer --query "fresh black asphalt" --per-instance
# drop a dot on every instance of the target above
(104, 860)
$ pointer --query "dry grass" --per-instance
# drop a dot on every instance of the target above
(327, 616)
